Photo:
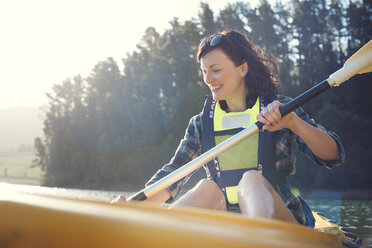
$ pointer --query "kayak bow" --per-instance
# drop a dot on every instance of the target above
(45, 221)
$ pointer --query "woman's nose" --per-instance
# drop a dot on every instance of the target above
(208, 79)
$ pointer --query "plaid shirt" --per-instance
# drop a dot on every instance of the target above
(190, 148)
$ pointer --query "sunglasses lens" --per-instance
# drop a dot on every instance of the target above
(204, 41)
(216, 40)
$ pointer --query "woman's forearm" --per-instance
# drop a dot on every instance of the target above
(320, 143)
(160, 197)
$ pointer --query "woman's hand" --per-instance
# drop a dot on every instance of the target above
(158, 198)
(320, 143)
(119, 199)
(272, 119)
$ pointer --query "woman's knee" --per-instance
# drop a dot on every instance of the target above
(252, 177)
(211, 192)
(255, 195)
(206, 194)
(208, 186)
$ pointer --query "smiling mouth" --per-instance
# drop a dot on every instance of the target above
(216, 88)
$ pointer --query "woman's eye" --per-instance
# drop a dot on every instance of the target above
(216, 70)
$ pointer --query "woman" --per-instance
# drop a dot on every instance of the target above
(251, 177)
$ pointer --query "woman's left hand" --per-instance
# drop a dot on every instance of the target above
(118, 200)
(272, 119)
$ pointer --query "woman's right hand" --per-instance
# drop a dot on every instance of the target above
(119, 199)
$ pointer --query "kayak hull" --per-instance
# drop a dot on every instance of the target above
(44, 221)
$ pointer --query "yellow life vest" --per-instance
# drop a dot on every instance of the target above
(255, 153)
(243, 155)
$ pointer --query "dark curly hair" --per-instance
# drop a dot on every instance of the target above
(261, 79)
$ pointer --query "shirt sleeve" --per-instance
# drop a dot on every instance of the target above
(305, 148)
(188, 149)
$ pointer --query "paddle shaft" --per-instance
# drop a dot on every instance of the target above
(227, 144)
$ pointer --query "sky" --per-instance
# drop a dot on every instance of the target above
(43, 42)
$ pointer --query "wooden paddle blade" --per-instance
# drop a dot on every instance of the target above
(366, 50)
(360, 62)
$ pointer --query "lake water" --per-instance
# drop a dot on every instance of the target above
(354, 214)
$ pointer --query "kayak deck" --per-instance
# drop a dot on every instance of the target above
(44, 221)
(323, 224)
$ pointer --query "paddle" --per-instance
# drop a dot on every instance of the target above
(358, 63)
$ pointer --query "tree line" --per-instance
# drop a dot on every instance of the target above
(116, 127)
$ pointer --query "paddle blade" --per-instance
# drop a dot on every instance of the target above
(360, 62)
(366, 50)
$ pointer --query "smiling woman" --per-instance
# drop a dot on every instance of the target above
(252, 179)
(225, 80)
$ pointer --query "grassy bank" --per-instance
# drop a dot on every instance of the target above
(15, 168)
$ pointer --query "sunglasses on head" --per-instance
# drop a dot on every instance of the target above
(213, 41)
(216, 40)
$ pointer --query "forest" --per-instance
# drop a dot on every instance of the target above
(115, 128)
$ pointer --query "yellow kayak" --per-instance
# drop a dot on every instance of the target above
(43, 221)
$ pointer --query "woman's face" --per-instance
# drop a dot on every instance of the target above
(224, 79)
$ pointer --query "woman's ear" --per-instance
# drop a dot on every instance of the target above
(244, 69)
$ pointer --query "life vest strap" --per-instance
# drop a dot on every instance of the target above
(231, 177)
(228, 132)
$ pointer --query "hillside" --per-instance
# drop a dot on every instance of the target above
(19, 126)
